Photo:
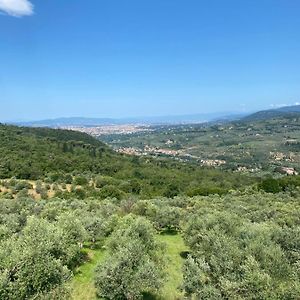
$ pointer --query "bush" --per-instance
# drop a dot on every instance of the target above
(270, 185)
(81, 180)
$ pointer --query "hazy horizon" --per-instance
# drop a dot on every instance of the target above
(130, 117)
(137, 117)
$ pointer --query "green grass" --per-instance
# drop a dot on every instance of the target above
(83, 282)
(174, 247)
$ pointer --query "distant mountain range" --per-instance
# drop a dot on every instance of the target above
(274, 113)
(164, 120)
(89, 122)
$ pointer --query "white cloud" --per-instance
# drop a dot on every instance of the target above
(284, 104)
(16, 8)
(279, 105)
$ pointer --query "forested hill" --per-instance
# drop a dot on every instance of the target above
(58, 135)
(30, 153)
(50, 154)
(282, 112)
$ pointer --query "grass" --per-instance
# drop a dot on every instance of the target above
(174, 247)
(83, 282)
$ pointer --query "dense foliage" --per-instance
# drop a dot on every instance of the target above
(134, 266)
(64, 194)
(244, 251)
(61, 156)
(241, 246)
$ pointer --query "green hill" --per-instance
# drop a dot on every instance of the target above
(82, 244)
(282, 112)
(256, 146)
(76, 158)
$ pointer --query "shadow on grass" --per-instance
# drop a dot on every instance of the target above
(82, 258)
(169, 232)
(94, 246)
(184, 254)
(149, 296)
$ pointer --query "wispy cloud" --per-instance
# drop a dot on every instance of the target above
(16, 8)
(278, 105)
(284, 104)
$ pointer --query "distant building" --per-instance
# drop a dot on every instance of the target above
(287, 171)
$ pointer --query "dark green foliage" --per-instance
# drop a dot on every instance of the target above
(79, 193)
(271, 185)
(41, 153)
(171, 190)
(80, 180)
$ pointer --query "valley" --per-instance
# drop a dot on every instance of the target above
(149, 150)
(166, 213)
(243, 146)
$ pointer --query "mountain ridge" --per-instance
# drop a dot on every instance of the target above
(155, 120)
(285, 111)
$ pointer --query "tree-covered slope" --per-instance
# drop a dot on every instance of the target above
(283, 112)
(31, 153)
(38, 153)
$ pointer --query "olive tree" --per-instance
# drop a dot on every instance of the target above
(135, 263)
(31, 264)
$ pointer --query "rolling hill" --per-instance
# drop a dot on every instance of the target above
(261, 143)
(286, 111)
(61, 155)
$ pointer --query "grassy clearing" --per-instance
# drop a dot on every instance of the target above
(83, 281)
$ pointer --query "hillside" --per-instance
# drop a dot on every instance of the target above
(86, 222)
(284, 112)
(80, 221)
(183, 247)
(257, 146)
(31, 153)
(68, 157)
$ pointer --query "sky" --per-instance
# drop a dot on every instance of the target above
(116, 58)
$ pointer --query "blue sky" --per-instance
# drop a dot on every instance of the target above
(116, 58)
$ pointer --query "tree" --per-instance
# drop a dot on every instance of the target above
(270, 185)
(134, 266)
(31, 264)
(74, 234)
(95, 227)
(81, 180)
(127, 274)
(167, 217)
